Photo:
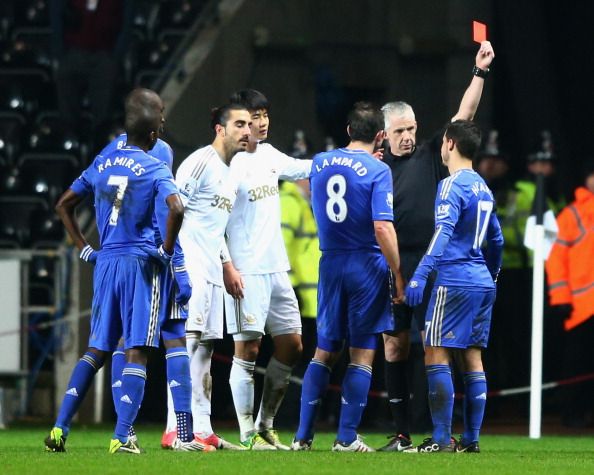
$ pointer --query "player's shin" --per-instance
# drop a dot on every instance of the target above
(178, 381)
(355, 387)
(441, 401)
(315, 382)
(475, 400)
(200, 361)
(80, 381)
(276, 382)
(133, 381)
(241, 381)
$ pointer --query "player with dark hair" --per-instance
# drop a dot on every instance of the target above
(416, 170)
(208, 190)
(459, 314)
(126, 184)
(260, 298)
(177, 290)
(352, 204)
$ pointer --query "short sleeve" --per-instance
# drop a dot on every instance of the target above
(382, 198)
(164, 182)
(83, 184)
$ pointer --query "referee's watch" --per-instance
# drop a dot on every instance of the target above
(481, 73)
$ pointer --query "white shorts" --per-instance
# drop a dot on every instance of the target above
(269, 306)
(205, 312)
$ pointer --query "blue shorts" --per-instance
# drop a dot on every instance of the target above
(353, 295)
(126, 302)
(459, 318)
(170, 310)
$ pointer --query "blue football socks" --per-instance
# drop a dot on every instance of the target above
(355, 387)
(315, 382)
(475, 400)
(441, 401)
(133, 380)
(178, 380)
(80, 381)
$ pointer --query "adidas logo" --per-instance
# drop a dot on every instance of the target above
(72, 392)
(174, 384)
(482, 396)
(315, 402)
(126, 399)
(450, 335)
(117, 384)
(343, 400)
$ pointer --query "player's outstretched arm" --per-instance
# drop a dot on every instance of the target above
(65, 208)
(472, 95)
(385, 234)
(175, 217)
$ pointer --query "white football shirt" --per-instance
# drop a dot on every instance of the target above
(208, 192)
(254, 235)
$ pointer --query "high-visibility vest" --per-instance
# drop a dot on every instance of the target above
(303, 246)
(570, 265)
(513, 215)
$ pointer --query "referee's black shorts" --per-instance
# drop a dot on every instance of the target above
(403, 314)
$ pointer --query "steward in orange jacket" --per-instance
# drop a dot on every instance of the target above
(570, 266)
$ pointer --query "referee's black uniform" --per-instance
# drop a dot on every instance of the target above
(415, 178)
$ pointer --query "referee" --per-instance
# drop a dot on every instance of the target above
(416, 171)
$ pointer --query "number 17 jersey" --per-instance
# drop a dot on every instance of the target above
(350, 190)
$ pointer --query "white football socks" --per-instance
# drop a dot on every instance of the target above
(200, 353)
(276, 382)
(241, 381)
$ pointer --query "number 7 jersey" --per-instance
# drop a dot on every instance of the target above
(350, 190)
(125, 183)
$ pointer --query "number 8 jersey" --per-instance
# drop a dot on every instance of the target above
(125, 184)
(350, 190)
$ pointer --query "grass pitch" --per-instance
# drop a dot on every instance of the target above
(22, 451)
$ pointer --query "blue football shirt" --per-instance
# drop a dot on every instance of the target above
(161, 151)
(464, 219)
(350, 189)
(126, 182)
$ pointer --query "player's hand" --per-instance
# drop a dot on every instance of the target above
(233, 281)
(398, 297)
(88, 254)
(485, 55)
(160, 254)
(414, 291)
(183, 285)
(379, 153)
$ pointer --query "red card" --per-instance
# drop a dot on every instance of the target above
(479, 31)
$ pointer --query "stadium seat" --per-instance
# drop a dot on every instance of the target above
(12, 128)
(25, 90)
(49, 136)
(179, 13)
(47, 231)
(15, 217)
(29, 48)
(10, 180)
(31, 13)
(47, 174)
